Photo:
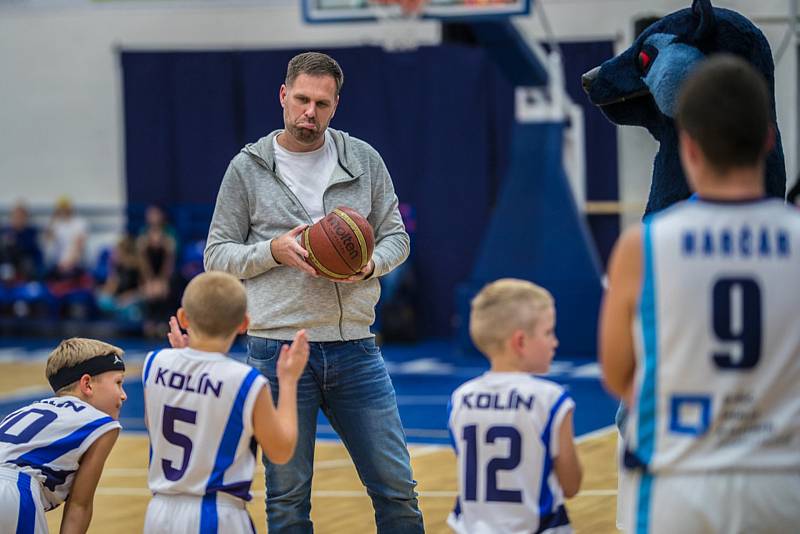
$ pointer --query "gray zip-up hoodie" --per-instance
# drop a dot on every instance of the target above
(255, 205)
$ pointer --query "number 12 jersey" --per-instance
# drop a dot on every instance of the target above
(505, 429)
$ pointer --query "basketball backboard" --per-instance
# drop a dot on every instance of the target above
(319, 11)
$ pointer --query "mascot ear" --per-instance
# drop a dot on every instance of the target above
(703, 14)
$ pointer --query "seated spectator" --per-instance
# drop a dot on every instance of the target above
(156, 247)
(68, 282)
(20, 256)
(65, 240)
(121, 293)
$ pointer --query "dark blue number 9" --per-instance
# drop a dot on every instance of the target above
(172, 414)
(746, 331)
(34, 427)
(493, 494)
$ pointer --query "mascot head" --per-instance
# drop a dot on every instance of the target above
(640, 86)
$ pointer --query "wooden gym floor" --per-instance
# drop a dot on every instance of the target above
(339, 502)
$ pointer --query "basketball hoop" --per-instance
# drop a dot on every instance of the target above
(398, 19)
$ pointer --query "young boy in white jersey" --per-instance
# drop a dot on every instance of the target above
(700, 329)
(205, 413)
(53, 450)
(511, 430)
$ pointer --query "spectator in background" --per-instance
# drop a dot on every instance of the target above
(157, 250)
(65, 242)
(68, 280)
(121, 294)
(20, 256)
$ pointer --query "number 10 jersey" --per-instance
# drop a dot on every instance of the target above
(717, 340)
(199, 412)
(47, 439)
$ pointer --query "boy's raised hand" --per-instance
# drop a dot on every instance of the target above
(293, 358)
(177, 339)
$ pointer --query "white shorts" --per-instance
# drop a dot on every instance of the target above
(733, 503)
(21, 507)
(190, 514)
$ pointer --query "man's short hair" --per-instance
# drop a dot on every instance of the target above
(73, 351)
(501, 308)
(215, 303)
(724, 105)
(314, 64)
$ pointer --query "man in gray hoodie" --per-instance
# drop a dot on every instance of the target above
(271, 191)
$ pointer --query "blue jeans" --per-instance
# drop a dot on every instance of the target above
(349, 381)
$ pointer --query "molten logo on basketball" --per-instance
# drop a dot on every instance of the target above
(344, 233)
(340, 244)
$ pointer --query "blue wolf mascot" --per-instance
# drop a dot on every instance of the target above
(640, 86)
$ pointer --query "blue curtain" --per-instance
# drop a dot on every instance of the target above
(441, 117)
(602, 165)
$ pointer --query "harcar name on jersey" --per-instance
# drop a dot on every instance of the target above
(744, 242)
(176, 380)
(512, 400)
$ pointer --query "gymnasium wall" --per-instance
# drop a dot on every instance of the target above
(62, 103)
(60, 97)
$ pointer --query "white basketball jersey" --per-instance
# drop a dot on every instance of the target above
(717, 382)
(199, 409)
(46, 440)
(505, 430)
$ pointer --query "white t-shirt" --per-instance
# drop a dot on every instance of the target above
(308, 173)
(66, 232)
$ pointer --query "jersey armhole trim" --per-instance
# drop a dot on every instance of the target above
(147, 365)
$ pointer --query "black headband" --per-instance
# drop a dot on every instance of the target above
(93, 366)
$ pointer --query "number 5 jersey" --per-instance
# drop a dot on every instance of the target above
(505, 430)
(199, 410)
(717, 340)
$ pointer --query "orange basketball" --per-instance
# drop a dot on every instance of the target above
(340, 244)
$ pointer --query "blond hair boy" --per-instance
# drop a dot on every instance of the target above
(53, 450)
(205, 412)
(512, 431)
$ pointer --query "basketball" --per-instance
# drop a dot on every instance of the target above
(340, 244)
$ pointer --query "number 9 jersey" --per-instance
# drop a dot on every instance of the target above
(505, 431)
(717, 340)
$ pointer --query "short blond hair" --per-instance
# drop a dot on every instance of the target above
(215, 304)
(75, 350)
(502, 307)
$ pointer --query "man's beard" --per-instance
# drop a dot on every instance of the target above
(304, 135)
